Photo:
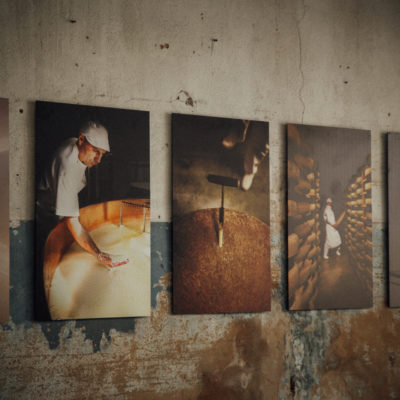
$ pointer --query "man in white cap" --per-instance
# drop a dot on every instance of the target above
(332, 239)
(65, 179)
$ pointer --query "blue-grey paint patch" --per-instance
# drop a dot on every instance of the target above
(94, 329)
(22, 286)
(380, 236)
(6, 327)
(22, 273)
(160, 255)
(51, 331)
(281, 291)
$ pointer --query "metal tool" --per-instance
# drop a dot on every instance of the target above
(223, 181)
(145, 207)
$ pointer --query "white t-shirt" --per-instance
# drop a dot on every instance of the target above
(66, 179)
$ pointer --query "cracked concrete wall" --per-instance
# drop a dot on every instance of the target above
(325, 62)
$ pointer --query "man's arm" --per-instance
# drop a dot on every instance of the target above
(340, 219)
(82, 237)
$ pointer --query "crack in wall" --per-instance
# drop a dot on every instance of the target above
(300, 92)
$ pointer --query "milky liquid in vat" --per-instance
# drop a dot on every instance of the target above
(83, 288)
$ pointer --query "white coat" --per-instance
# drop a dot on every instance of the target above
(332, 235)
(65, 180)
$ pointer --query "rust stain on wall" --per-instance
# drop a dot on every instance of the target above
(159, 315)
(235, 367)
(362, 360)
(326, 354)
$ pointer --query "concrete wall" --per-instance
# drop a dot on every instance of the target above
(325, 62)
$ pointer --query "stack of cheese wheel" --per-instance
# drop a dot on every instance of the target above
(358, 231)
(304, 229)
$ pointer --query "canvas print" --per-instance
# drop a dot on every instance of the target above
(4, 214)
(92, 212)
(394, 218)
(221, 233)
(329, 218)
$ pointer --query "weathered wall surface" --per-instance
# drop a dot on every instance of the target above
(325, 62)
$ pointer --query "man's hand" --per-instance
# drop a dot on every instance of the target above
(83, 238)
(112, 260)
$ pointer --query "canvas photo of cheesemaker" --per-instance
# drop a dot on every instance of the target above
(92, 212)
(329, 218)
(221, 239)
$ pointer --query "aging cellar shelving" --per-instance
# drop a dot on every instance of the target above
(304, 252)
(358, 232)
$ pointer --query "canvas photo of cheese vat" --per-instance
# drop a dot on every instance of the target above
(221, 237)
(329, 218)
(4, 214)
(92, 212)
(394, 217)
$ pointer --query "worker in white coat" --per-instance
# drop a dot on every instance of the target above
(58, 191)
(332, 239)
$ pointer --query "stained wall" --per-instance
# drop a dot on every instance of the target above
(321, 62)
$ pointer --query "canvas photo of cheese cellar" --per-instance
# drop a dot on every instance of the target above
(220, 215)
(92, 212)
(329, 218)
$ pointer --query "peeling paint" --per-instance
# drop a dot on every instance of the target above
(358, 359)
(160, 258)
(183, 96)
(15, 223)
(96, 331)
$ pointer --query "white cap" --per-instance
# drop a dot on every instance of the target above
(329, 200)
(97, 136)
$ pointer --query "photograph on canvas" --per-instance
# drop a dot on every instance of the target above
(221, 239)
(92, 212)
(329, 218)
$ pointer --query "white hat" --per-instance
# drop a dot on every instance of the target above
(97, 136)
(329, 200)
